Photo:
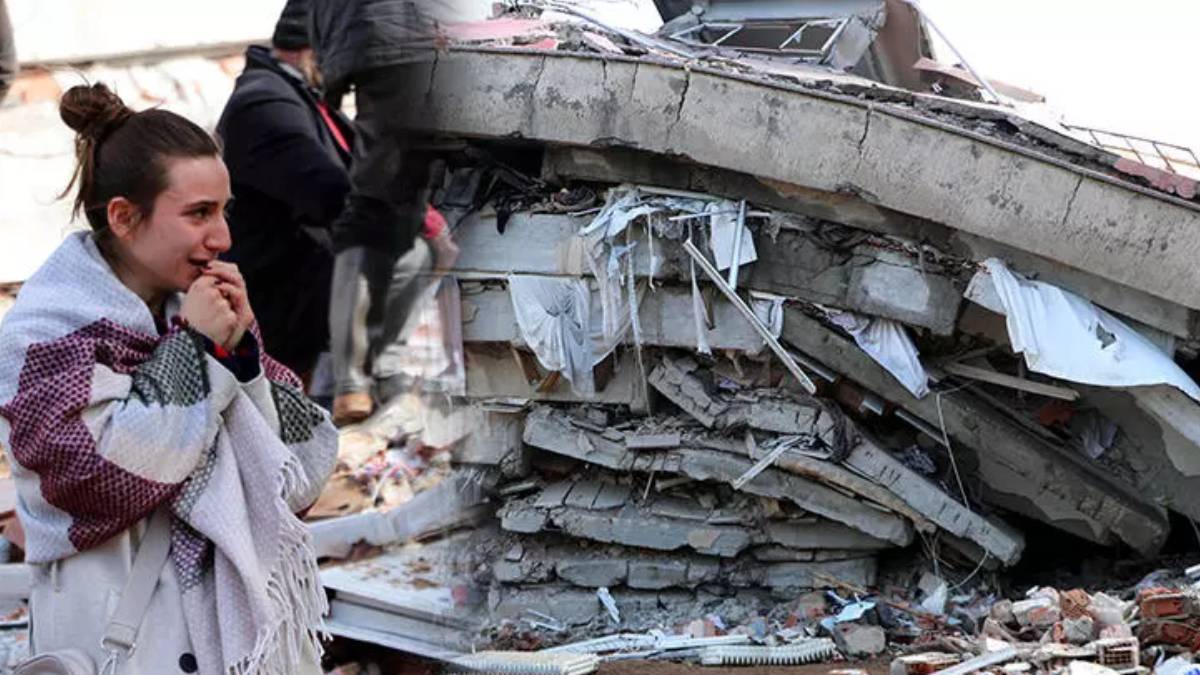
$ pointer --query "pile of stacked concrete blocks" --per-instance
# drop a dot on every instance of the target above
(680, 489)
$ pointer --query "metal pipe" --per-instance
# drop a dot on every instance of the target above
(788, 360)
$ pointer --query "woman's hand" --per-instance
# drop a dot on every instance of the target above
(232, 287)
(208, 312)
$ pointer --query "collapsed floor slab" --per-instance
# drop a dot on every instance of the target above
(623, 165)
(887, 481)
(547, 429)
(669, 524)
(862, 277)
(533, 561)
(1019, 471)
(976, 183)
(640, 610)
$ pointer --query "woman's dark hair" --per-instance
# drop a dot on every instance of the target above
(122, 153)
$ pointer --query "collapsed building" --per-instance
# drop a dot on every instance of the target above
(768, 303)
(742, 321)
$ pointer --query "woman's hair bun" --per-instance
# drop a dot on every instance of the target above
(92, 110)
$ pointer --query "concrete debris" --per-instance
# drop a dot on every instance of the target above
(452, 504)
(663, 456)
(860, 640)
(1021, 470)
(545, 430)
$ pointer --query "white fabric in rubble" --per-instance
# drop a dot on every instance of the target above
(886, 341)
(1095, 432)
(554, 317)
(626, 203)
(1066, 336)
(768, 307)
(724, 227)
(607, 242)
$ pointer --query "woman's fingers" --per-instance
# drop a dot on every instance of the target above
(226, 272)
(239, 300)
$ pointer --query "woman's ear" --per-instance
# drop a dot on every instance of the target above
(123, 217)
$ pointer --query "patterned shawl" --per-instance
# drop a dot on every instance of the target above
(105, 420)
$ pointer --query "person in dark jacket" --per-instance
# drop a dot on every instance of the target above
(289, 158)
(8, 52)
(371, 45)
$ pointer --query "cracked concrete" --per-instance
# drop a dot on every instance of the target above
(1019, 472)
(547, 429)
(623, 165)
(673, 524)
(975, 183)
(547, 559)
(641, 610)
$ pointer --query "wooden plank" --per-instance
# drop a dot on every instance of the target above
(993, 377)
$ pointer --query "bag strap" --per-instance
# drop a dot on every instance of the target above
(122, 629)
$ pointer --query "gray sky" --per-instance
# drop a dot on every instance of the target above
(1126, 66)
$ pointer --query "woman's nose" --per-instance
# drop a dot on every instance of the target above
(218, 238)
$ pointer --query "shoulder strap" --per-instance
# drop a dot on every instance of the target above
(122, 629)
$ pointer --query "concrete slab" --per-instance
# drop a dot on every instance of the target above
(994, 535)
(665, 315)
(494, 374)
(547, 429)
(1019, 471)
(975, 183)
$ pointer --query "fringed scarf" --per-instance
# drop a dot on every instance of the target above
(105, 420)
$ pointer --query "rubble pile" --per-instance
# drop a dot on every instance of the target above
(674, 458)
(677, 485)
(1148, 627)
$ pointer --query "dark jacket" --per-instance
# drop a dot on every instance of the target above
(8, 52)
(353, 36)
(290, 179)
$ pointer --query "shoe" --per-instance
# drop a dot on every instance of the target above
(353, 407)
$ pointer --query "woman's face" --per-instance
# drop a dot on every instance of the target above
(168, 249)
